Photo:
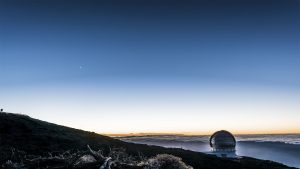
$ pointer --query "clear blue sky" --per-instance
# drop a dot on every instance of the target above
(150, 65)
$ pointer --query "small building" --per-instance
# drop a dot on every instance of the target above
(223, 144)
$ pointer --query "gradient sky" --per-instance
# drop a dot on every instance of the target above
(153, 65)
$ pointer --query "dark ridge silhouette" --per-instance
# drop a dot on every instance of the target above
(36, 137)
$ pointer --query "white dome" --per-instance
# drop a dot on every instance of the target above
(222, 141)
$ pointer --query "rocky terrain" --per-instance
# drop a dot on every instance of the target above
(26, 142)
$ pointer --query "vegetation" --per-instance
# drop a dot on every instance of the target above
(31, 143)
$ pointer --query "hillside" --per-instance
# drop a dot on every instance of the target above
(39, 138)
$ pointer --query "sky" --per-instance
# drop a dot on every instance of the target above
(153, 66)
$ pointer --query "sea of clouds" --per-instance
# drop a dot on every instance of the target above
(280, 148)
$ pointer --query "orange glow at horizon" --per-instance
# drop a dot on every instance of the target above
(236, 132)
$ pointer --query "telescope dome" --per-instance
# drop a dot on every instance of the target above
(222, 141)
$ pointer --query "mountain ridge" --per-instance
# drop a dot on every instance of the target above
(38, 137)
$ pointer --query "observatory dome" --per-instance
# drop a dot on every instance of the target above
(222, 141)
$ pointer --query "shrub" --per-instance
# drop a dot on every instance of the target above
(166, 161)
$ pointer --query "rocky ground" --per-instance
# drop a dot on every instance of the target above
(27, 143)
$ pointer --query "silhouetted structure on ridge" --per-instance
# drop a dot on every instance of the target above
(223, 144)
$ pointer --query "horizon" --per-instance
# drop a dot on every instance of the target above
(163, 134)
(186, 134)
(153, 66)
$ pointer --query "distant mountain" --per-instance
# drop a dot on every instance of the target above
(35, 138)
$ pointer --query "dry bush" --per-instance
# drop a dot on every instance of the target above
(165, 161)
(117, 158)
